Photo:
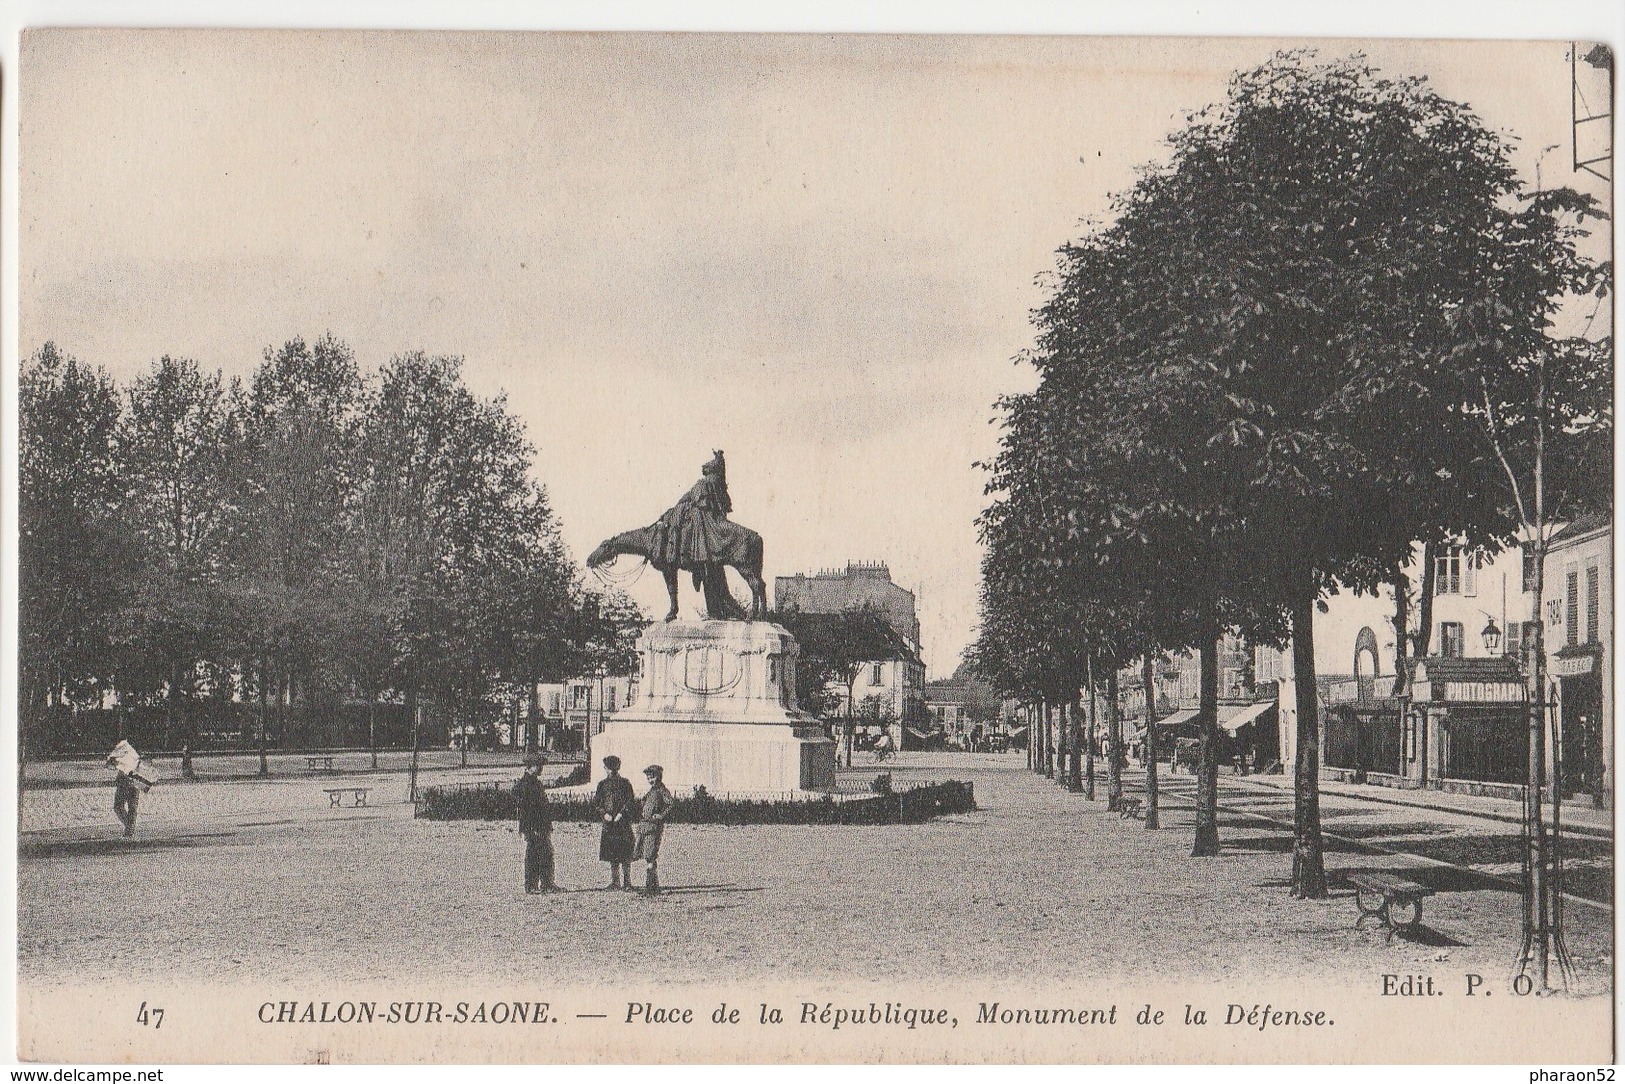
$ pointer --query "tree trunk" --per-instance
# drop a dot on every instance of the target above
(372, 725)
(1308, 861)
(172, 703)
(413, 710)
(1040, 713)
(1049, 740)
(1148, 677)
(1207, 773)
(1401, 584)
(533, 726)
(265, 715)
(1114, 747)
(1541, 903)
(851, 721)
(1062, 749)
(1089, 746)
(1074, 728)
(1424, 604)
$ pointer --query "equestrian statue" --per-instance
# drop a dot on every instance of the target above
(696, 536)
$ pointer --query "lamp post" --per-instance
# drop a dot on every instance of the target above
(1492, 637)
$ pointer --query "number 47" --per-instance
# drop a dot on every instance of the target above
(145, 1016)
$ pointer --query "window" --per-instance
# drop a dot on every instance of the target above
(1469, 574)
(1571, 609)
(1593, 586)
(1520, 638)
(578, 694)
(1529, 567)
(609, 699)
(874, 674)
(1452, 639)
(1447, 572)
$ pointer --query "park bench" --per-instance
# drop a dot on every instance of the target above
(1130, 808)
(1390, 892)
(319, 763)
(335, 796)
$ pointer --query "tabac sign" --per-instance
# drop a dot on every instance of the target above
(1574, 665)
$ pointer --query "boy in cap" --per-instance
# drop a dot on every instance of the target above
(536, 825)
(657, 805)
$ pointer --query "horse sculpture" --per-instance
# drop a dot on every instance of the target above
(737, 546)
(695, 535)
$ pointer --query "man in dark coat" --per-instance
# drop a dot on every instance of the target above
(536, 825)
(617, 806)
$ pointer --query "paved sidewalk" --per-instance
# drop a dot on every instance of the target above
(1578, 816)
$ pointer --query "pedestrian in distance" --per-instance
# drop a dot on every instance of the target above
(885, 748)
(617, 805)
(536, 825)
(657, 805)
(132, 781)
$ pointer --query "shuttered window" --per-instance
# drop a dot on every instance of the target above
(1593, 588)
(1571, 610)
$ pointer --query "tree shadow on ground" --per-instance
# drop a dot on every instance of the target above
(1279, 844)
(1394, 831)
(84, 848)
(709, 890)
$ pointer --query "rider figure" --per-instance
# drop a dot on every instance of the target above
(689, 535)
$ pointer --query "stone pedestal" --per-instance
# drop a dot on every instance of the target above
(717, 708)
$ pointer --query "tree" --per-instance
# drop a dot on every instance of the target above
(1536, 407)
(74, 565)
(457, 550)
(292, 473)
(1290, 283)
(177, 440)
(843, 644)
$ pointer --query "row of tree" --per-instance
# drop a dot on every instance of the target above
(298, 539)
(1325, 332)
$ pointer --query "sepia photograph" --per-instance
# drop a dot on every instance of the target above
(688, 548)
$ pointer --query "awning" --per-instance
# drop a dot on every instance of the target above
(1179, 718)
(922, 735)
(1017, 732)
(1240, 717)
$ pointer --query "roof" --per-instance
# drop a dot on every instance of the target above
(1232, 717)
(1240, 717)
(1581, 525)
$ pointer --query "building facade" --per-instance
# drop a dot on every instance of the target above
(891, 688)
(1579, 641)
(861, 583)
(1457, 718)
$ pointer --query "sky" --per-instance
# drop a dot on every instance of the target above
(818, 253)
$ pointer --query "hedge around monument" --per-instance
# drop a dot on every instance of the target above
(496, 802)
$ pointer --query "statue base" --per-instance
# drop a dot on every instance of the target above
(716, 708)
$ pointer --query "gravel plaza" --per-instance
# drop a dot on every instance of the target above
(233, 880)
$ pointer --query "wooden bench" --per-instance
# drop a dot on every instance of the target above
(335, 797)
(319, 763)
(1390, 892)
(1130, 808)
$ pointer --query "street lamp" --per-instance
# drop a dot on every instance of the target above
(1492, 637)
